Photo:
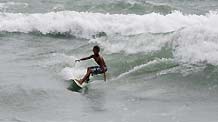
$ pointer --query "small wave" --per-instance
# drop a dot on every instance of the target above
(130, 7)
(7, 5)
(160, 8)
(142, 66)
(147, 43)
(184, 70)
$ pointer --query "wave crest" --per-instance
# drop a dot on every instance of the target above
(85, 24)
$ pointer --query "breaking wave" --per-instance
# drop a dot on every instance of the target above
(85, 24)
(192, 39)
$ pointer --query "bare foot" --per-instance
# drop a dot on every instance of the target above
(79, 81)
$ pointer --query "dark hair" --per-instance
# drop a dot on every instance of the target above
(97, 48)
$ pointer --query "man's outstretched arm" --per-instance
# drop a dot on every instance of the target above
(86, 58)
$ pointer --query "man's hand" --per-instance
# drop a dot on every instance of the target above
(77, 60)
(86, 58)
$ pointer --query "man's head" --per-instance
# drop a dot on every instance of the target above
(96, 49)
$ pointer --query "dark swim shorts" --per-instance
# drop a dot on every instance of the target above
(97, 70)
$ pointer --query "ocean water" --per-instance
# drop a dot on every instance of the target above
(162, 58)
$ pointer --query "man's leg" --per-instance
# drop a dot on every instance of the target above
(89, 71)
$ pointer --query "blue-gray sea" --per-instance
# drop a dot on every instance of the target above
(162, 58)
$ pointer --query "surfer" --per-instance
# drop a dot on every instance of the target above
(94, 70)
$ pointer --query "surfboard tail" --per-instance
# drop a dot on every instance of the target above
(76, 86)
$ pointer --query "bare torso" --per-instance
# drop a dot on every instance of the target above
(99, 60)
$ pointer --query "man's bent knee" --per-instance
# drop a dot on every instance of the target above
(89, 71)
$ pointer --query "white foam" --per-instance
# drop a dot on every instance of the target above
(84, 24)
(197, 45)
(72, 73)
(76, 71)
